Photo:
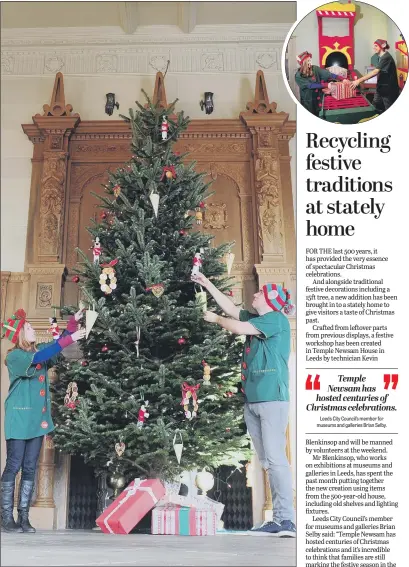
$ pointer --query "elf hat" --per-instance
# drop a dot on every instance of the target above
(278, 298)
(382, 43)
(303, 56)
(12, 327)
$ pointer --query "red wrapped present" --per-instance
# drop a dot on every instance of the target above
(340, 71)
(339, 91)
(131, 506)
(171, 519)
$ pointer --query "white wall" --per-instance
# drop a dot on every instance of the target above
(370, 25)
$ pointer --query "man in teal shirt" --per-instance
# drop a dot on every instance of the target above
(265, 379)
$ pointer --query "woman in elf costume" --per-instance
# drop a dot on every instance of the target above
(308, 78)
(27, 411)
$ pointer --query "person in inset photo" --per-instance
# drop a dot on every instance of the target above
(387, 86)
(311, 82)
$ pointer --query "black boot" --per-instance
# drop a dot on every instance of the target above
(7, 505)
(26, 492)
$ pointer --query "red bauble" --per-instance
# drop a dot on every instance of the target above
(202, 204)
(75, 279)
(229, 394)
(84, 363)
(182, 232)
(104, 348)
(103, 216)
(227, 429)
(182, 341)
(231, 293)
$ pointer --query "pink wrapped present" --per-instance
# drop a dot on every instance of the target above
(339, 91)
(172, 519)
(198, 502)
(131, 506)
(340, 71)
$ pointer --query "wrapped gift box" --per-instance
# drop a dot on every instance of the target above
(131, 506)
(198, 502)
(172, 519)
(340, 71)
(339, 91)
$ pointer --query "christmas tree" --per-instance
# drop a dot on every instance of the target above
(140, 388)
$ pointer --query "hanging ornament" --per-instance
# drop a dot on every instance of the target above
(229, 394)
(164, 128)
(84, 363)
(75, 279)
(142, 415)
(156, 289)
(229, 259)
(54, 329)
(182, 232)
(178, 445)
(104, 348)
(154, 197)
(117, 190)
(90, 317)
(107, 279)
(96, 250)
(120, 448)
(138, 338)
(197, 263)
(206, 373)
(182, 341)
(169, 172)
(190, 393)
(71, 395)
(104, 215)
(230, 293)
(201, 299)
(187, 215)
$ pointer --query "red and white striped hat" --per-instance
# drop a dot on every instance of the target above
(302, 57)
(382, 43)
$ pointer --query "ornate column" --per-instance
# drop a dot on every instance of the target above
(272, 190)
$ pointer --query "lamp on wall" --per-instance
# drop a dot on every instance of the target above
(207, 103)
(109, 106)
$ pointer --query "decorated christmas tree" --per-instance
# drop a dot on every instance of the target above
(155, 389)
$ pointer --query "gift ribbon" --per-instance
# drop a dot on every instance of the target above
(130, 491)
(111, 264)
(192, 389)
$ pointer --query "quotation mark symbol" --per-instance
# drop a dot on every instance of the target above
(388, 378)
(310, 385)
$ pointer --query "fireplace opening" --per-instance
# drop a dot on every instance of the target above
(336, 58)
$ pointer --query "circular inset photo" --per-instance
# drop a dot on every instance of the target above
(346, 62)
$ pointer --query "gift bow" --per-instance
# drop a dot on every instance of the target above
(170, 168)
(130, 490)
(111, 264)
(192, 389)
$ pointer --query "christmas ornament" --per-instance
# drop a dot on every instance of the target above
(154, 197)
(120, 448)
(182, 341)
(104, 348)
(182, 232)
(229, 394)
(229, 259)
(90, 317)
(164, 128)
(107, 279)
(189, 393)
(138, 338)
(169, 172)
(116, 190)
(54, 330)
(230, 293)
(116, 481)
(84, 363)
(142, 415)
(178, 445)
(75, 279)
(204, 481)
(71, 395)
(201, 300)
(104, 215)
(206, 373)
(197, 263)
(96, 250)
(156, 289)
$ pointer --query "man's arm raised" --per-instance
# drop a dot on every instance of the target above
(222, 300)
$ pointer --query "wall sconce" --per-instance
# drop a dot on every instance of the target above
(207, 103)
(109, 107)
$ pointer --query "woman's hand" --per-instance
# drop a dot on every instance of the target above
(78, 335)
(326, 91)
(210, 317)
(79, 315)
(200, 279)
(355, 83)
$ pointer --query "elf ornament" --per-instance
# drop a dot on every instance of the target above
(164, 128)
(197, 263)
(189, 393)
(96, 250)
(71, 395)
(107, 279)
(117, 190)
(206, 373)
(54, 329)
(199, 212)
(142, 415)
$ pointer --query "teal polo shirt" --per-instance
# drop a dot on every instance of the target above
(264, 364)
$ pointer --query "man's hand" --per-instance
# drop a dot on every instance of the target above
(210, 317)
(355, 83)
(79, 315)
(200, 279)
(78, 335)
